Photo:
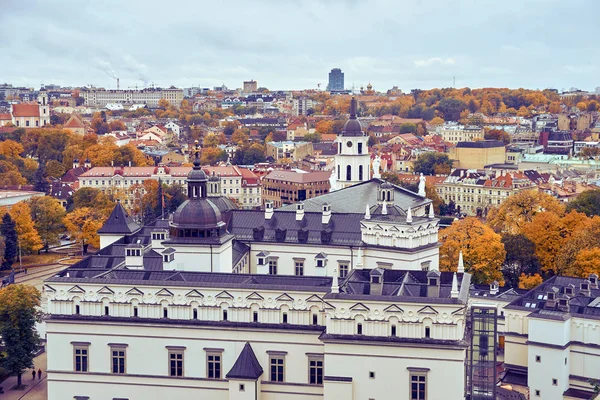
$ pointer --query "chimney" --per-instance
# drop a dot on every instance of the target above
(584, 288)
(494, 288)
(268, 209)
(454, 292)
(433, 283)
(134, 256)
(593, 278)
(326, 213)
(376, 276)
(563, 304)
(299, 211)
(551, 298)
(117, 83)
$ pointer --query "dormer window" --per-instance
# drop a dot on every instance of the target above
(133, 252)
(569, 290)
(321, 260)
(375, 279)
(433, 282)
(260, 261)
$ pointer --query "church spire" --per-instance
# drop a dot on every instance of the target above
(353, 108)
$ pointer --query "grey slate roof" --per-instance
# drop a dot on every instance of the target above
(119, 222)
(354, 198)
(246, 366)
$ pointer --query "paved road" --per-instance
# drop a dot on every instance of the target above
(35, 389)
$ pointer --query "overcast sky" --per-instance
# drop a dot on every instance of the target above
(292, 44)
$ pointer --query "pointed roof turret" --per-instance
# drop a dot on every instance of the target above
(246, 366)
(454, 290)
(461, 264)
(353, 107)
(119, 222)
(335, 286)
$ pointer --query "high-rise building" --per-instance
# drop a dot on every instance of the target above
(336, 80)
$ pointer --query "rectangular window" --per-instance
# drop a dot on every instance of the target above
(81, 358)
(277, 369)
(315, 371)
(343, 270)
(118, 360)
(393, 330)
(299, 265)
(285, 318)
(175, 363)
(213, 367)
(359, 329)
(272, 267)
(418, 387)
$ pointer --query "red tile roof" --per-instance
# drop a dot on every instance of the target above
(5, 117)
(26, 110)
(74, 122)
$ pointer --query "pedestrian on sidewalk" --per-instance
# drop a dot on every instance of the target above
(39, 373)
(33, 373)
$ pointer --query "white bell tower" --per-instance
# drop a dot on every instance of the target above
(352, 162)
(44, 107)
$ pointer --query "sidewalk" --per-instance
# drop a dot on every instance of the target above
(34, 389)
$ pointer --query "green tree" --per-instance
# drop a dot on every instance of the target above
(451, 108)
(18, 315)
(408, 128)
(312, 137)
(9, 232)
(587, 202)
(48, 215)
(40, 183)
(520, 258)
(433, 163)
(83, 224)
(174, 196)
(160, 200)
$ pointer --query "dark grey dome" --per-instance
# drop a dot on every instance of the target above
(352, 126)
(386, 185)
(197, 175)
(224, 204)
(198, 213)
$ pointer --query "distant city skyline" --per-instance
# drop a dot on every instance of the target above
(409, 44)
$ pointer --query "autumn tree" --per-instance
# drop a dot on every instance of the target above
(432, 163)
(28, 237)
(589, 152)
(483, 251)
(55, 169)
(9, 232)
(174, 196)
(239, 137)
(497, 134)
(116, 125)
(518, 210)
(47, 213)
(18, 315)
(83, 224)
(212, 155)
(546, 231)
(530, 281)
(210, 140)
(88, 197)
(586, 263)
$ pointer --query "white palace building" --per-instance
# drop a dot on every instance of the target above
(338, 297)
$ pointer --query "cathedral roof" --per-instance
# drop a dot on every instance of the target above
(199, 213)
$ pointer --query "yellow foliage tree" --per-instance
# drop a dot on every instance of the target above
(437, 121)
(83, 224)
(586, 263)
(529, 281)
(518, 210)
(483, 251)
(29, 238)
(11, 149)
(547, 232)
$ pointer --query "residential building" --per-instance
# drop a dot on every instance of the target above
(250, 86)
(336, 80)
(580, 145)
(286, 187)
(238, 184)
(474, 193)
(173, 127)
(557, 142)
(157, 133)
(97, 97)
(295, 151)
(352, 162)
(478, 155)
(454, 133)
(301, 105)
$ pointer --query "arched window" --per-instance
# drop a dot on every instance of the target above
(389, 195)
(360, 172)
(360, 148)
(348, 173)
